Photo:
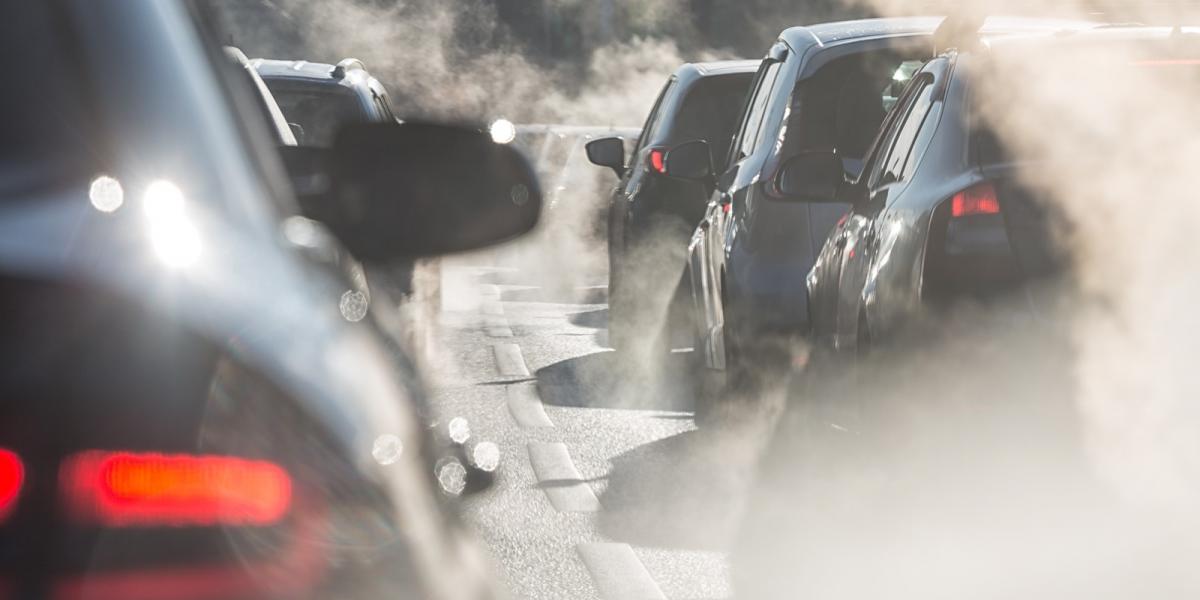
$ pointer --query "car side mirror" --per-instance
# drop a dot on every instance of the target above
(415, 189)
(689, 160)
(811, 177)
(608, 152)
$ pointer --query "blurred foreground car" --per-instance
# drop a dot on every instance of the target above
(650, 216)
(189, 412)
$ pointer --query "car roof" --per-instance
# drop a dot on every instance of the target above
(848, 31)
(293, 69)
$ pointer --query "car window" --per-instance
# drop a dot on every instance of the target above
(709, 112)
(877, 155)
(319, 110)
(907, 126)
(654, 121)
(753, 124)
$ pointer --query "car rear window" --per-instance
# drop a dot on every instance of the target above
(319, 110)
(709, 112)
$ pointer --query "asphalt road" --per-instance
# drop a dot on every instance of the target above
(606, 488)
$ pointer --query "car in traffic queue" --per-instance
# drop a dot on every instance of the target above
(943, 212)
(650, 215)
(826, 88)
(189, 411)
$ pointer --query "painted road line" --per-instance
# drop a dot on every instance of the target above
(497, 326)
(492, 308)
(526, 407)
(558, 477)
(617, 572)
(509, 361)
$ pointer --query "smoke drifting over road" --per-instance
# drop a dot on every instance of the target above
(1002, 453)
(1005, 455)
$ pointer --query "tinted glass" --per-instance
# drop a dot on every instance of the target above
(319, 110)
(910, 126)
(654, 122)
(752, 128)
(710, 112)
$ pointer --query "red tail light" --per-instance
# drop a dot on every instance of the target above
(979, 199)
(12, 477)
(658, 160)
(126, 489)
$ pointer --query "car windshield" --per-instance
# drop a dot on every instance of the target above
(318, 110)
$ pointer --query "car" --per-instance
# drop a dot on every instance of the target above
(650, 215)
(928, 231)
(284, 135)
(824, 87)
(318, 98)
(192, 406)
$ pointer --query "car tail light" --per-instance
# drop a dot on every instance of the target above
(118, 489)
(12, 477)
(658, 160)
(979, 199)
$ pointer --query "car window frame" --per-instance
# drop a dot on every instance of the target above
(881, 148)
(653, 119)
(894, 162)
(762, 89)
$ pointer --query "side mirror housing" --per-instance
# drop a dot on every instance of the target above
(415, 189)
(689, 160)
(608, 152)
(811, 177)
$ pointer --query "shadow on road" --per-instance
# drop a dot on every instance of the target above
(597, 319)
(686, 491)
(604, 380)
(557, 294)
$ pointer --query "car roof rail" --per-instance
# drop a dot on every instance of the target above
(347, 65)
(958, 31)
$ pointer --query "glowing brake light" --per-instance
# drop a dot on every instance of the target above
(12, 477)
(126, 489)
(658, 160)
(979, 199)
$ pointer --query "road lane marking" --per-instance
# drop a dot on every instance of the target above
(509, 361)
(497, 326)
(558, 477)
(526, 407)
(617, 572)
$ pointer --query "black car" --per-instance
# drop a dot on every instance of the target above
(191, 408)
(941, 214)
(651, 215)
(318, 98)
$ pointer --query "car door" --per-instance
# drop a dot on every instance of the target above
(859, 238)
(714, 231)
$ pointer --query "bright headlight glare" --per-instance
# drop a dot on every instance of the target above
(172, 234)
(503, 131)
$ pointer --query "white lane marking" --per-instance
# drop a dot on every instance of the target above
(617, 572)
(559, 478)
(526, 407)
(497, 326)
(509, 361)
(492, 308)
